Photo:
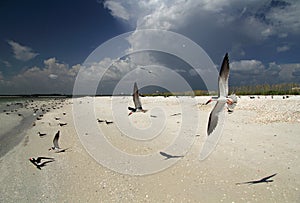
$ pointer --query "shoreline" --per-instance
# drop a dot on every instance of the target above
(15, 135)
(23, 113)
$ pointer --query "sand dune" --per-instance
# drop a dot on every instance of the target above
(259, 139)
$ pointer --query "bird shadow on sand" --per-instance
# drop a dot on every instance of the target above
(263, 180)
(169, 156)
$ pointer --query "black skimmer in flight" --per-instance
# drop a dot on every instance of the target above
(149, 71)
(137, 101)
(55, 142)
(216, 117)
(37, 162)
(222, 98)
(263, 180)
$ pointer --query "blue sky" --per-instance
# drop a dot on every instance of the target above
(43, 44)
(67, 30)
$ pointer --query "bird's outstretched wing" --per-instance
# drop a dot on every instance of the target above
(39, 166)
(136, 97)
(62, 150)
(214, 116)
(55, 140)
(38, 159)
(223, 77)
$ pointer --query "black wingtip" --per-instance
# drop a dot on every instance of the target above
(226, 57)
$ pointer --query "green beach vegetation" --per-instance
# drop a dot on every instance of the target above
(263, 89)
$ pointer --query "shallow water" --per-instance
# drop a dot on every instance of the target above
(12, 109)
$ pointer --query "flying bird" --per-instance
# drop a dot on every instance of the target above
(149, 71)
(39, 159)
(55, 142)
(37, 162)
(263, 180)
(222, 98)
(136, 101)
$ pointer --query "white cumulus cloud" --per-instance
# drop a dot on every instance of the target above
(117, 9)
(21, 52)
(40, 79)
(209, 22)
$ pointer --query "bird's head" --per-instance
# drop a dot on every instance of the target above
(229, 101)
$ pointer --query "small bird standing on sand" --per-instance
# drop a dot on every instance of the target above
(55, 142)
(136, 101)
(100, 120)
(62, 124)
(108, 122)
(41, 134)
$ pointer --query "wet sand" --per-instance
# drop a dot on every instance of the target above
(259, 139)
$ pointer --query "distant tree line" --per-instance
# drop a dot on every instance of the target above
(263, 89)
(266, 89)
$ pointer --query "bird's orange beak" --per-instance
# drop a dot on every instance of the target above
(208, 101)
(130, 113)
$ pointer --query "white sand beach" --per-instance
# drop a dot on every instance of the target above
(260, 138)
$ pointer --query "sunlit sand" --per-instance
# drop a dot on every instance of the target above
(260, 138)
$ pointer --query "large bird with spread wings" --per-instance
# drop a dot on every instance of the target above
(222, 98)
(217, 115)
(136, 101)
